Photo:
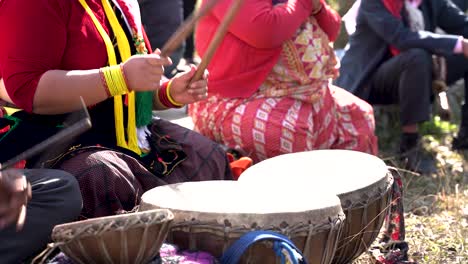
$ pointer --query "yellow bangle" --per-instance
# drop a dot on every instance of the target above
(168, 93)
(115, 80)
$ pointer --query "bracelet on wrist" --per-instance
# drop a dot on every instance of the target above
(165, 98)
(114, 80)
(168, 91)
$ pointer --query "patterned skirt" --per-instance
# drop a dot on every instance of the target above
(113, 182)
(264, 127)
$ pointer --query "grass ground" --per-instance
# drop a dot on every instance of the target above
(436, 206)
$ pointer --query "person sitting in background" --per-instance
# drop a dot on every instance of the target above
(462, 4)
(389, 61)
(49, 198)
(189, 51)
(64, 50)
(270, 90)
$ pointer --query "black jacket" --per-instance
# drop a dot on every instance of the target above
(377, 29)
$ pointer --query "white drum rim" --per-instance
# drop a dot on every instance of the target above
(169, 196)
(251, 175)
(157, 198)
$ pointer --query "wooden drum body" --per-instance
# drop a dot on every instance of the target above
(133, 238)
(210, 216)
(361, 181)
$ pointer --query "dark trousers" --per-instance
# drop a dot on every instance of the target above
(55, 199)
(161, 19)
(405, 79)
(457, 68)
(189, 7)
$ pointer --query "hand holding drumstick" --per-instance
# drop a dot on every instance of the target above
(191, 86)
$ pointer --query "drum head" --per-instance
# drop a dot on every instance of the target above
(230, 198)
(335, 171)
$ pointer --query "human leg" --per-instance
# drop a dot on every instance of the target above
(56, 199)
(111, 182)
(406, 79)
(457, 68)
(206, 159)
(267, 127)
(355, 121)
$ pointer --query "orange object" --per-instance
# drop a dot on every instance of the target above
(239, 166)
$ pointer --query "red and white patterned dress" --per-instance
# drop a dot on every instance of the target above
(295, 109)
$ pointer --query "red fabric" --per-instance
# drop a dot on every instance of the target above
(329, 20)
(394, 7)
(268, 127)
(45, 35)
(253, 44)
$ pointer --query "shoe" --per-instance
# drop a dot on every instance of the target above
(461, 141)
(419, 160)
(413, 155)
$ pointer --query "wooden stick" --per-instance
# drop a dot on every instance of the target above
(218, 37)
(186, 28)
(74, 130)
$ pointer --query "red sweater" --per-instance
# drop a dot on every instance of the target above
(41, 35)
(254, 41)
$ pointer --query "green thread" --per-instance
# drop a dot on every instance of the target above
(143, 100)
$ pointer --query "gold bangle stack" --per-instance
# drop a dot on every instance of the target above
(115, 80)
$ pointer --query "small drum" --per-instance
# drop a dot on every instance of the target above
(211, 215)
(124, 239)
(361, 181)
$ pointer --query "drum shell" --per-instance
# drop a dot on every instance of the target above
(137, 244)
(366, 211)
(362, 182)
(214, 233)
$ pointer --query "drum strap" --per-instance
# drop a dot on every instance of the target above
(283, 247)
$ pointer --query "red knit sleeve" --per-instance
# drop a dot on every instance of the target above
(33, 35)
(329, 20)
(261, 25)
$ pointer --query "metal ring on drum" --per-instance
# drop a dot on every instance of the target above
(361, 181)
(211, 215)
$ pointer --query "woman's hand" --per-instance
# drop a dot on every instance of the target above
(184, 92)
(144, 72)
(15, 192)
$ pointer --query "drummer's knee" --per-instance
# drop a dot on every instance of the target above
(68, 196)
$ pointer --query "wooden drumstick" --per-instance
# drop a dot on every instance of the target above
(68, 132)
(186, 28)
(216, 41)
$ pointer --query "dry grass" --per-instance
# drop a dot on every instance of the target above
(437, 209)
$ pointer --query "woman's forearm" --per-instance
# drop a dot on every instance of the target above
(59, 91)
(3, 93)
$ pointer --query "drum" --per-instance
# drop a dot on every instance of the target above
(210, 216)
(126, 238)
(361, 181)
